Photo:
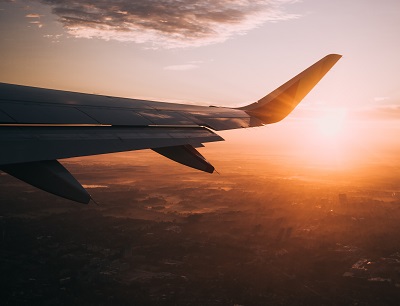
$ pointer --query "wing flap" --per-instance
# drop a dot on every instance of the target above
(34, 143)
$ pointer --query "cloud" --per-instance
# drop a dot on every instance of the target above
(379, 113)
(33, 16)
(181, 67)
(51, 36)
(166, 23)
(37, 23)
(381, 99)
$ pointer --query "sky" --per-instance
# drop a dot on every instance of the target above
(225, 53)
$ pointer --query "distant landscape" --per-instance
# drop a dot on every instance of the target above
(264, 231)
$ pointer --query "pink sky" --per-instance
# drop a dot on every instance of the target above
(229, 53)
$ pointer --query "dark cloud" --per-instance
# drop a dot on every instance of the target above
(165, 23)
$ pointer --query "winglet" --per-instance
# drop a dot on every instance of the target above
(281, 102)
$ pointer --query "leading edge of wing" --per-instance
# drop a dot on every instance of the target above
(32, 105)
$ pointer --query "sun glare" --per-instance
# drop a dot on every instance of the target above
(326, 144)
(330, 123)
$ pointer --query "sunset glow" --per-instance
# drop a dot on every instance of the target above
(299, 211)
(229, 54)
(330, 123)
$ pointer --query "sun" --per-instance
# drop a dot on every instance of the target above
(330, 123)
(326, 143)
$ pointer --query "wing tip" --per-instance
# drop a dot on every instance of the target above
(279, 103)
(334, 57)
(337, 55)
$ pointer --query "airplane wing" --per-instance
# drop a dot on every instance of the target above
(39, 126)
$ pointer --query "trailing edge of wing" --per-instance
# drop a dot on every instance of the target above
(278, 104)
(51, 176)
(30, 144)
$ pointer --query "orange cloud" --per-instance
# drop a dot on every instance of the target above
(33, 16)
